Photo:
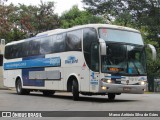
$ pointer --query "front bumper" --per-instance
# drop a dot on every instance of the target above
(121, 88)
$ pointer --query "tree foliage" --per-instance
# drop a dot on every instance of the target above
(35, 19)
(76, 17)
(6, 26)
(18, 22)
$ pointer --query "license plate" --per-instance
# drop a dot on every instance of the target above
(126, 89)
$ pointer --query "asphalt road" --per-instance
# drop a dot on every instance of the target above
(10, 101)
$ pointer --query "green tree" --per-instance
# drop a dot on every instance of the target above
(6, 26)
(76, 17)
(19, 22)
(35, 19)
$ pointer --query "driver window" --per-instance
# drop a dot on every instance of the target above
(95, 57)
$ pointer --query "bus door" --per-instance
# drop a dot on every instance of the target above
(94, 72)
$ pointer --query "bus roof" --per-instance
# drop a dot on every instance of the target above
(105, 26)
(56, 31)
(50, 31)
(88, 25)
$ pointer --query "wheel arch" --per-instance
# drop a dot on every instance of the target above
(69, 82)
(17, 78)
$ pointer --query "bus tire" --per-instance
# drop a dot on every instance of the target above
(111, 96)
(48, 92)
(75, 91)
(19, 89)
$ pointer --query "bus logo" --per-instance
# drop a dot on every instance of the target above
(71, 60)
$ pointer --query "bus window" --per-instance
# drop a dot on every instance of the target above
(1, 60)
(7, 53)
(18, 50)
(59, 42)
(89, 37)
(95, 57)
(73, 40)
(46, 45)
(25, 50)
(15, 51)
(34, 46)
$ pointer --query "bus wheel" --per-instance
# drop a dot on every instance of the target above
(48, 92)
(75, 91)
(19, 89)
(111, 96)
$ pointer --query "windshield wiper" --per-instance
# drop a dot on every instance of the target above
(135, 67)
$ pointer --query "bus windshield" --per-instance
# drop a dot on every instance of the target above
(114, 35)
(124, 59)
(125, 52)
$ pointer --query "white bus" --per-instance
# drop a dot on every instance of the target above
(93, 59)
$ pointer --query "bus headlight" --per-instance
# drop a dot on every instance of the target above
(103, 88)
(106, 80)
(142, 83)
(109, 81)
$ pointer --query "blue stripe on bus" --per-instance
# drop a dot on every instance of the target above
(25, 72)
(33, 62)
(29, 82)
(116, 77)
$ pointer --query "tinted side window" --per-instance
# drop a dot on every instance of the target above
(59, 42)
(25, 49)
(46, 45)
(1, 60)
(73, 40)
(95, 57)
(89, 37)
(7, 53)
(33, 47)
(13, 51)
(18, 50)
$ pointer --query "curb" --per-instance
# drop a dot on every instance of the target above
(4, 89)
(151, 92)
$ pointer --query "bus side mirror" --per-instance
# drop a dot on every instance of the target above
(102, 46)
(153, 49)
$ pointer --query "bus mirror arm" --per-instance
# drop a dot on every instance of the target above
(102, 46)
(153, 49)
